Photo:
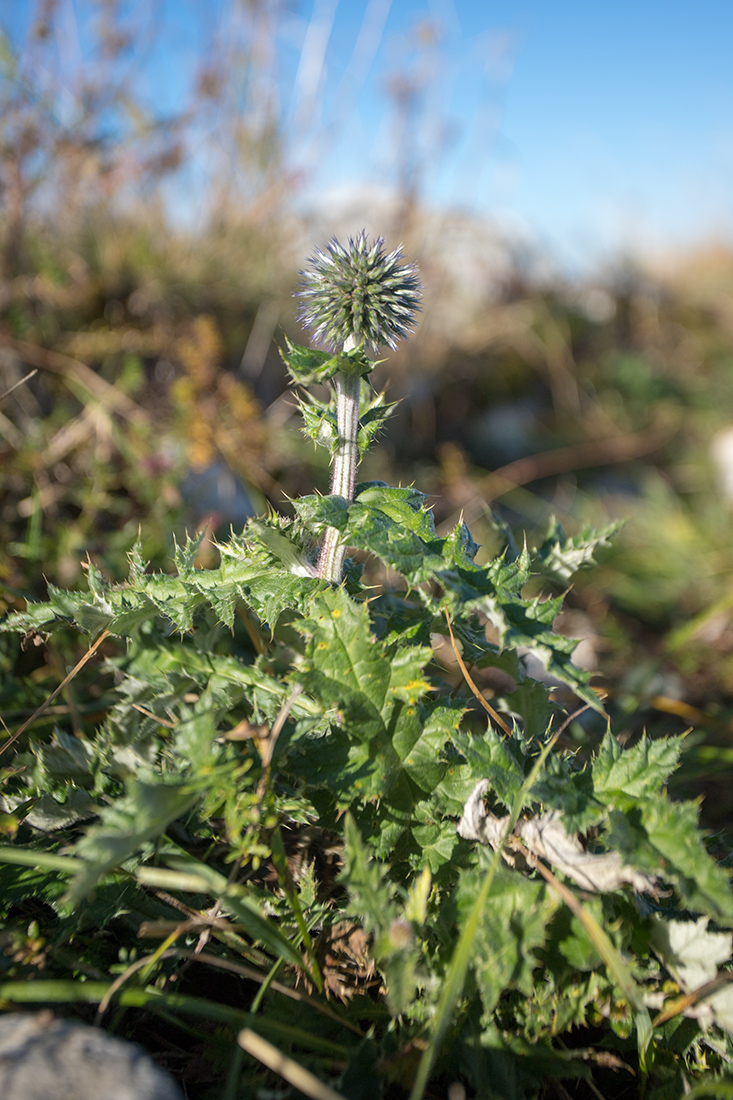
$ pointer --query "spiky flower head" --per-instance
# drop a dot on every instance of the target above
(359, 292)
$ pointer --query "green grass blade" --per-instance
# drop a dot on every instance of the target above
(458, 968)
(286, 881)
(47, 861)
(723, 1090)
(236, 900)
(67, 992)
(173, 880)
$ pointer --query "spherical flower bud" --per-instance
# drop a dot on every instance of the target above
(359, 293)
(401, 934)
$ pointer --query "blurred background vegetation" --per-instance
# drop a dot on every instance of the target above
(157, 401)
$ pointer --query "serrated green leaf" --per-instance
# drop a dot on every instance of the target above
(488, 756)
(373, 899)
(308, 365)
(91, 613)
(124, 827)
(185, 556)
(138, 564)
(436, 842)
(319, 422)
(673, 830)
(577, 947)
(37, 616)
(531, 701)
(371, 894)
(421, 752)
(18, 883)
(569, 790)
(194, 738)
(513, 925)
(560, 557)
(373, 415)
(636, 772)
(508, 548)
(662, 838)
(394, 525)
(388, 740)
(405, 506)
(50, 814)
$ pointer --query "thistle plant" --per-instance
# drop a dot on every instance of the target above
(509, 893)
(353, 298)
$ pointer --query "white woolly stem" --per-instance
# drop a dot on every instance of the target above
(345, 464)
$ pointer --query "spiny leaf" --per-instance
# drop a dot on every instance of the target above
(633, 773)
(489, 757)
(373, 899)
(185, 556)
(677, 853)
(513, 926)
(388, 740)
(371, 893)
(373, 416)
(319, 422)
(560, 557)
(395, 525)
(125, 826)
(308, 365)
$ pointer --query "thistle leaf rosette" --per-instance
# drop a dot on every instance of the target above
(359, 293)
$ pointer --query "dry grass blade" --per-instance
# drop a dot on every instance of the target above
(78, 372)
(680, 1004)
(290, 1070)
(19, 383)
(147, 962)
(149, 714)
(277, 987)
(466, 675)
(76, 669)
(268, 744)
(166, 951)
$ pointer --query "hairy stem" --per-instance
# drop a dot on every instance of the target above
(346, 458)
(345, 463)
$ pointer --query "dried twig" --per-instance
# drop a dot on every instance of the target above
(489, 709)
(77, 668)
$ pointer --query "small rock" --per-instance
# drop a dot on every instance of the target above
(42, 1058)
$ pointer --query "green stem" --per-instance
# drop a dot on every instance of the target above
(345, 464)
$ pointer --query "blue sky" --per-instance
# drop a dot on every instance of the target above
(598, 128)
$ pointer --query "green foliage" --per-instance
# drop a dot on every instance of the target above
(319, 419)
(277, 773)
(395, 925)
(559, 558)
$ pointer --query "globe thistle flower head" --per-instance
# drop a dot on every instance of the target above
(359, 293)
